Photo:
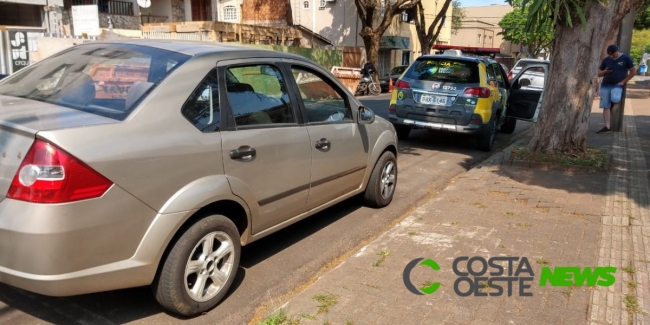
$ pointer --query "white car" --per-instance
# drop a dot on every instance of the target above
(536, 77)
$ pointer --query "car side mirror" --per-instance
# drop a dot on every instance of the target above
(524, 82)
(366, 115)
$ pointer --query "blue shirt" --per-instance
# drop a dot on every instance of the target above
(620, 67)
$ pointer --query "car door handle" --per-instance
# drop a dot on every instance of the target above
(323, 144)
(244, 153)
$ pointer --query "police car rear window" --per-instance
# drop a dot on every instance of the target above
(444, 70)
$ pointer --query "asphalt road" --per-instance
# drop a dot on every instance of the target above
(279, 263)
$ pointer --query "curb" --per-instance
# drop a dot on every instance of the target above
(500, 156)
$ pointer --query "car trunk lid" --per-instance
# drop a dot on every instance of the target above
(20, 121)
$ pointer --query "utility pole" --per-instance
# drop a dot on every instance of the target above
(625, 45)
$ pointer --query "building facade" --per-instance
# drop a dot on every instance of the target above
(480, 29)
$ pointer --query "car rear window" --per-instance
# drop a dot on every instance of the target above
(103, 79)
(522, 64)
(444, 70)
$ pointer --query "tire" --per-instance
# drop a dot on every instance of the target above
(509, 126)
(375, 89)
(402, 132)
(383, 182)
(172, 287)
(485, 142)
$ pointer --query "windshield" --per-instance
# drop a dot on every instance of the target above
(444, 70)
(103, 79)
(398, 70)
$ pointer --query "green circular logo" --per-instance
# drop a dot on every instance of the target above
(400, 95)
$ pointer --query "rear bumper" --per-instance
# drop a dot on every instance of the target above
(113, 242)
(415, 124)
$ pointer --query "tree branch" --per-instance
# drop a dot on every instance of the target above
(440, 16)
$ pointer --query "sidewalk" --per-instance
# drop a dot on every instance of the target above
(549, 217)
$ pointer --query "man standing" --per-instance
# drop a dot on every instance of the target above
(614, 71)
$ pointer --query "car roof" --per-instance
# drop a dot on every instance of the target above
(535, 60)
(198, 48)
(454, 57)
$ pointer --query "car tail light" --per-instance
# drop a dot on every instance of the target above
(481, 92)
(510, 76)
(391, 109)
(402, 84)
(51, 175)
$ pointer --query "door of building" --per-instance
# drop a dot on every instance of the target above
(201, 10)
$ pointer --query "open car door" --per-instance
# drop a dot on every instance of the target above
(526, 92)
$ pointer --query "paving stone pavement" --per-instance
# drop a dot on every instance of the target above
(550, 218)
(625, 238)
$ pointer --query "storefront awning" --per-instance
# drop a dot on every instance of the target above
(394, 42)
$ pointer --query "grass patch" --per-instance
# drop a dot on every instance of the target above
(502, 246)
(412, 233)
(629, 269)
(543, 262)
(479, 205)
(427, 284)
(349, 322)
(509, 214)
(633, 305)
(326, 301)
(382, 259)
(280, 318)
(592, 157)
(631, 285)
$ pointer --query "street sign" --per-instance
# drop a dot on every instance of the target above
(19, 49)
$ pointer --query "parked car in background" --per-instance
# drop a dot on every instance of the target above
(466, 95)
(394, 74)
(159, 178)
(535, 76)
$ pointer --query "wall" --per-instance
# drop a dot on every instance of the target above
(487, 19)
(338, 21)
(119, 21)
(265, 13)
(326, 58)
(160, 8)
(178, 10)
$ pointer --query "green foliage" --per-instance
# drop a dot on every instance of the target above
(537, 38)
(640, 44)
(457, 16)
(324, 57)
(642, 20)
(565, 12)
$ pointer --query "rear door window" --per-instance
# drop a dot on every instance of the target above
(444, 70)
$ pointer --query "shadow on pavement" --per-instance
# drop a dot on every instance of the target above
(128, 305)
(589, 182)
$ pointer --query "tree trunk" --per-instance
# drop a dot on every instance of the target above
(371, 42)
(568, 97)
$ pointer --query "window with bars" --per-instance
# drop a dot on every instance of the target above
(305, 5)
(230, 13)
